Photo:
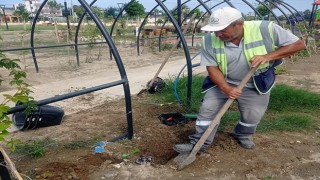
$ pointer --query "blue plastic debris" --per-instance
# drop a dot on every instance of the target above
(99, 148)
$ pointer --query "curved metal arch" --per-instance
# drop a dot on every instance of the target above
(120, 65)
(229, 3)
(32, 35)
(188, 15)
(254, 9)
(281, 2)
(304, 21)
(185, 47)
(159, 44)
(205, 6)
(270, 10)
(77, 33)
(279, 9)
(116, 19)
(286, 7)
(141, 25)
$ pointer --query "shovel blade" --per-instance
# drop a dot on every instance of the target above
(183, 160)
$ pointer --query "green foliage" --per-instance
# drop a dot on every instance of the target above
(262, 10)
(197, 12)
(54, 6)
(167, 95)
(91, 33)
(303, 53)
(21, 11)
(110, 12)
(166, 46)
(280, 70)
(79, 10)
(287, 122)
(286, 98)
(98, 11)
(35, 148)
(135, 9)
(22, 94)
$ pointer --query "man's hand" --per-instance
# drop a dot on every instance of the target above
(231, 91)
(258, 59)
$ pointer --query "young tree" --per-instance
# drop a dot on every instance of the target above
(135, 9)
(197, 12)
(79, 10)
(98, 11)
(22, 12)
(262, 10)
(54, 8)
(110, 12)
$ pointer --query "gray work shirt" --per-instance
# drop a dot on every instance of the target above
(237, 66)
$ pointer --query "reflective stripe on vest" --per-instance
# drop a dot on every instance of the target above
(258, 40)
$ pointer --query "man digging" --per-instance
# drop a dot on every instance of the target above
(233, 47)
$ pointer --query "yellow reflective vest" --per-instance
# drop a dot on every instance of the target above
(258, 40)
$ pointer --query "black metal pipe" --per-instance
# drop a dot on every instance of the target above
(175, 9)
(140, 28)
(121, 137)
(254, 9)
(116, 19)
(178, 20)
(119, 63)
(205, 6)
(199, 20)
(270, 10)
(229, 3)
(67, 96)
(186, 50)
(281, 2)
(279, 9)
(52, 46)
(189, 14)
(77, 34)
(68, 24)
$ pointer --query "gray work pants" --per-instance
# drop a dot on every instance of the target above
(252, 107)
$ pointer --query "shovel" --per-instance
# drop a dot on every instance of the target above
(168, 56)
(184, 159)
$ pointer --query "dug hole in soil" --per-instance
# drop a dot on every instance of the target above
(100, 116)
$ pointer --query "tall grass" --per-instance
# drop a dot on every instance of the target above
(290, 109)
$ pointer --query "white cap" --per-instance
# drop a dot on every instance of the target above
(222, 18)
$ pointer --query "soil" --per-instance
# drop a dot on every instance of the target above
(100, 116)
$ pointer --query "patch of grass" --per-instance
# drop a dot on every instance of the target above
(229, 119)
(35, 148)
(83, 143)
(167, 94)
(286, 98)
(286, 122)
(290, 109)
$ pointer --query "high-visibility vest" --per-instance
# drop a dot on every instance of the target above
(257, 38)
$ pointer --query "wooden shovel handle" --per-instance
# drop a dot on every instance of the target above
(221, 112)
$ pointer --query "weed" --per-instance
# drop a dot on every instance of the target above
(83, 143)
(35, 148)
(287, 122)
(280, 70)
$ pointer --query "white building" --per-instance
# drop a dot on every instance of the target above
(32, 7)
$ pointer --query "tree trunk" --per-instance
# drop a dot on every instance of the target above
(56, 28)
(7, 166)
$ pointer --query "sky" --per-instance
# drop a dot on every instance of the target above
(300, 5)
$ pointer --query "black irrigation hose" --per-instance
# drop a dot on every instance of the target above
(178, 76)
